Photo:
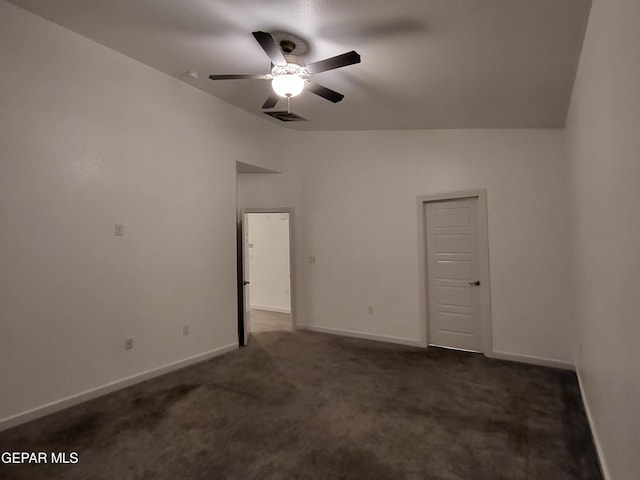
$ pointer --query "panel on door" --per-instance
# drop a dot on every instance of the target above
(452, 271)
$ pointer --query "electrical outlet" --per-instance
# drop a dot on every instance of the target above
(128, 343)
(185, 330)
(312, 259)
(370, 310)
(119, 230)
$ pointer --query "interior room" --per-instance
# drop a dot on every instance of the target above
(134, 133)
(268, 272)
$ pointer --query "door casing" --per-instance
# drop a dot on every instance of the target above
(483, 262)
(242, 335)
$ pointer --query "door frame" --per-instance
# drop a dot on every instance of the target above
(292, 267)
(483, 262)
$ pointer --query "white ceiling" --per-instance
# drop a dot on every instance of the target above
(425, 63)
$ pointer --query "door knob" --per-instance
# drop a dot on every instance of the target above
(245, 282)
(477, 282)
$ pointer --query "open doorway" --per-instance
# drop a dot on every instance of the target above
(267, 258)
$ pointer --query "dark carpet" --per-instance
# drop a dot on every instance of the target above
(301, 405)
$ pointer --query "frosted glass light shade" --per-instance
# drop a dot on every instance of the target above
(287, 85)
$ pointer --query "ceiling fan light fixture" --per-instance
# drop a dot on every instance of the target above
(289, 73)
(287, 85)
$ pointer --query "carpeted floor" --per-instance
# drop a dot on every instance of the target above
(301, 405)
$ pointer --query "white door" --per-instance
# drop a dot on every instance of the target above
(246, 331)
(453, 274)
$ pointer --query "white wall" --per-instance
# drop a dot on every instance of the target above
(279, 190)
(269, 261)
(357, 216)
(90, 138)
(604, 147)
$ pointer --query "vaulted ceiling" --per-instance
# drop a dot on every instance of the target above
(425, 63)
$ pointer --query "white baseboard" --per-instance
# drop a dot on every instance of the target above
(63, 403)
(270, 309)
(545, 362)
(594, 432)
(363, 335)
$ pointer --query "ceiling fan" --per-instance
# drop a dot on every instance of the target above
(289, 74)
